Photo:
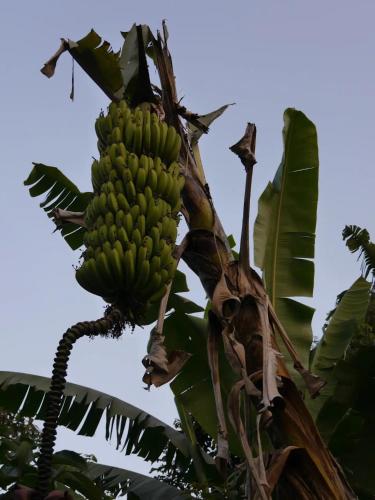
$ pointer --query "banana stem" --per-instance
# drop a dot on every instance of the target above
(112, 322)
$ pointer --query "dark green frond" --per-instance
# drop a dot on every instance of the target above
(358, 239)
(133, 430)
(100, 62)
(60, 193)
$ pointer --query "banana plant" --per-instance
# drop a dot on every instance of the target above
(260, 406)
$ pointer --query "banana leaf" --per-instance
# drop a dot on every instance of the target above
(343, 325)
(82, 410)
(96, 58)
(133, 65)
(346, 419)
(81, 476)
(284, 232)
(135, 485)
(92, 479)
(118, 74)
(193, 387)
(60, 193)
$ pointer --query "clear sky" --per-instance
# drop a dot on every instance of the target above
(265, 56)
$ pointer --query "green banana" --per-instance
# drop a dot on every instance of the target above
(137, 237)
(165, 255)
(142, 203)
(148, 244)
(105, 271)
(163, 136)
(137, 139)
(141, 224)
(119, 248)
(119, 162)
(129, 267)
(89, 253)
(142, 268)
(133, 164)
(103, 234)
(112, 151)
(169, 143)
(134, 212)
(112, 202)
(129, 134)
(113, 176)
(99, 128)
(123, 202)
(102, 203)
(119, 187)
(162, 182)
(155, 236)
(99, 221)
(148, 194)
(122, 236)
(112, 233)
(96, 176)
(171, 268)
(164, 276)
(116, 267)
(155, 265)
(152, 179)
(130, 192)
(158, 166)
(128, 224)
(119, 217)
(174, 153)
(127, 176)
(121, 150)
(109, 219)
(155, 134)
(153, 213)
(88, 279)
(147, 131)
(141, 179)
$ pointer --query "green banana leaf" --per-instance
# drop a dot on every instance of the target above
(133, 64)
(344, 323)
(97, 59)
(82, 477)
(83, 409)
(193, 387)
(347, 419)
(140, 486)
(60, 193)
(284, 232)
(118, 74)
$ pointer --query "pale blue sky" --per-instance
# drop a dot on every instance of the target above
(265, 56)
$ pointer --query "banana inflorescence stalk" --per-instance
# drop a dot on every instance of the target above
(111, 324)
(133, 216)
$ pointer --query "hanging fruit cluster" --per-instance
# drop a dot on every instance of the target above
(132, 218)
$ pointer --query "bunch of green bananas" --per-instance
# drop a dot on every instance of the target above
(132, 218)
